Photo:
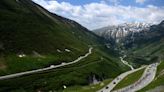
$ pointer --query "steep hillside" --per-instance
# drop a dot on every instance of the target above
(29, 31)
(149, 47)
(33, 38)
(27, 27)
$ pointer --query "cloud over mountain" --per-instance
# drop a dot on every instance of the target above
(95, 15)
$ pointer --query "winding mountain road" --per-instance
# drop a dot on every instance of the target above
(147, 77)
(112, 84)
(45, 69)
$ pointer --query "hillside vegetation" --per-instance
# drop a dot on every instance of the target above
(149, 47)
(33, 38)
(44, 38)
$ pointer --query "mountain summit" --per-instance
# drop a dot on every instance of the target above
(117, 33)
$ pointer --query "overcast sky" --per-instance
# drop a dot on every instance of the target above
(94, 14)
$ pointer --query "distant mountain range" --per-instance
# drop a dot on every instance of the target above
(138, 40)
(117, 33)
(128, 34)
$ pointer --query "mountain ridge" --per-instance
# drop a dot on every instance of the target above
(119, 32)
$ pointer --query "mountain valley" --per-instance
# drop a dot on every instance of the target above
(44, 52)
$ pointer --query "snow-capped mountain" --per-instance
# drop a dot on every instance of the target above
(117, 33)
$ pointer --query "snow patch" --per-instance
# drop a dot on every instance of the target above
(58, 50)
(21, 55)
(67, 50)
(64, 86)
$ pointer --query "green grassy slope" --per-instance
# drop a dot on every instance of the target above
(26, 28)
(150, 47)
(148, 53)
(90, 88)
(130, 79)
(77, 74)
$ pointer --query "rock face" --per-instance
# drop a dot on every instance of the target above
(132, 34)
(120, 32)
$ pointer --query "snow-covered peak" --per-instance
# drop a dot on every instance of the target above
(120, 31)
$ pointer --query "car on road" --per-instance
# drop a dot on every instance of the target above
(107, 87)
